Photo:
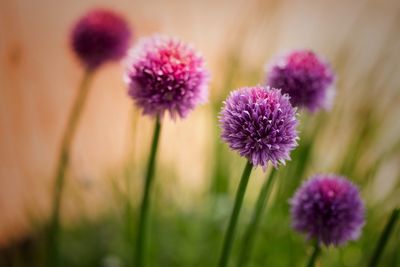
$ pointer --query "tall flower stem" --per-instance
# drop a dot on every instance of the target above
(129, 175)
(384, 238)
(144, 208)
(314, 255)
(230, 233)
(62, 165)
(248, 239)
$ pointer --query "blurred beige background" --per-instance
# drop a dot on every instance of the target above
(39, 76)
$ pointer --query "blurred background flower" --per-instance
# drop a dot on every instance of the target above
(359, 138)
(100, 36)
(328, 209)
(306, 78)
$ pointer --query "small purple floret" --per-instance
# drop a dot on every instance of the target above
(166, 75)
(259, 123)
(328, 208)
(100, 36)
(305, 77)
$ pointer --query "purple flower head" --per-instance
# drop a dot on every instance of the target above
(328, 208)
(100, 36)
(260, 123)
(305, 77)
(165, 74)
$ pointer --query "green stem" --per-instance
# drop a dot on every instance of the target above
(62, 165)
(249, 236)
(384, 238)
(129, 175)
(230, 233)
(144, 208)
(314, 255)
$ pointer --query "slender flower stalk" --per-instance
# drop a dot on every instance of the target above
(314, 255)
(230, 233)
(384, 238)
(248, 239)
(144, 207)
(309, 81)
(164, 75)
(259, 123)
(98, 37)
(62, 165)
(130, 172)
(301, 157)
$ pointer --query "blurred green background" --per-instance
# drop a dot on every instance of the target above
(196, 173)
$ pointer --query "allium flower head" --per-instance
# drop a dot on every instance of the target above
(305, 77)
(100, 36)
(328, 208)
(166, 75)
(259, 123)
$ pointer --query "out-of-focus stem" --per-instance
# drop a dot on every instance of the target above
(129, 175)
(384, 238)
(63, 161)
(230, 233)
(144, 208)
(249, 235)
(314, 255)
